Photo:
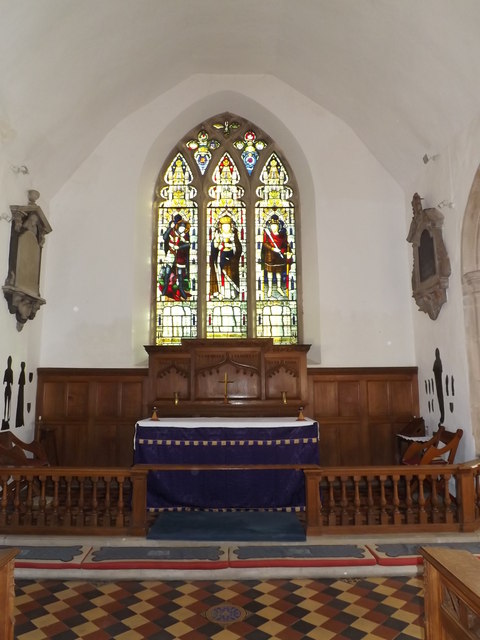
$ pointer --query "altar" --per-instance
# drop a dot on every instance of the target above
(228, 442)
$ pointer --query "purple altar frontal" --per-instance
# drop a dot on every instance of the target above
(226, 441)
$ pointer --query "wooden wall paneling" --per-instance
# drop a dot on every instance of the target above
(349, 397)
(106, 398)
(403, 396)
(353, 443)
(53, 401)
(91, 414)
(329, 446)
(323, 401)
(378, 398)
(359, 411)
(93, 411)
(78, 399)
(383, 442)
(131, 400)
(72, 444)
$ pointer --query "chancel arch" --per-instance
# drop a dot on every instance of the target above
(471, 299)
(225, 257)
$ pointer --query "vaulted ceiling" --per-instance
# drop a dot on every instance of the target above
(403, 74)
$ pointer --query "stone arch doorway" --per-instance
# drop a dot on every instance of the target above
(471, 299)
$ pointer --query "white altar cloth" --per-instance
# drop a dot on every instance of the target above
(234, 423)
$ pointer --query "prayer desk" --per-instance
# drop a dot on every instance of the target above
(230, 442)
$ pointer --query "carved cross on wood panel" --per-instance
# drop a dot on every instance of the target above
(226, 382)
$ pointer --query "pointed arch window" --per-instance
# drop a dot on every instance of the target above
(225, 260)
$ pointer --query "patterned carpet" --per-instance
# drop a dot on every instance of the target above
(303, 609)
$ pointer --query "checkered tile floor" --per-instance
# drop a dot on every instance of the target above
(304, 609)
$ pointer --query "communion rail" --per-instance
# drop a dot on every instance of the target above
(71, 500)
(339, 500)
(356, 500)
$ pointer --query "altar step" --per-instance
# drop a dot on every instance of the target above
(140, 559)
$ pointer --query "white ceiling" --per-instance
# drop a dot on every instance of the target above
(404, 74)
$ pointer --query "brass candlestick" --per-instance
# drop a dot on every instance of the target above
(175, 398)
(300, 414)
(284, 397)
(154, 414)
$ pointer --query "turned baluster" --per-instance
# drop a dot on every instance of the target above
(397, 516)
(120, 515)
(371, 512)
(81, 503)
(422, 513)
(344, 501)
(16, 503)
(449, 509)
(94, 501)
(383, 501)
(107, 519)
(55, 500)
(332, 515)
(29, 519)
(68, 501)
(41, 502)
(356, 501)
(434, 500)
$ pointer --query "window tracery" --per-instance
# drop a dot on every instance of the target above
(225, 255)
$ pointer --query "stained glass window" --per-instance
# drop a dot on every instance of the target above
(177, 251)
(225, 256)
(276, 267)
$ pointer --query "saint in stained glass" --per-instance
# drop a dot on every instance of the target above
(276, 257)
(276, 306)
(225, 253)
(239, 222)
(175, 280)
(226, 268)
(177, 262)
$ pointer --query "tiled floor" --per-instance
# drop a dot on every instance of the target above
(303, 609)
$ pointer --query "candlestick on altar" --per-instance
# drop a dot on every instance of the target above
(300, 414)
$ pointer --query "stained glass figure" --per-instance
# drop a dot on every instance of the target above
(225, 253)
(226, 270)
(276, 257)
(226, 238)
(202, 147)
(276, 294)
(251, 146)
(177, 254)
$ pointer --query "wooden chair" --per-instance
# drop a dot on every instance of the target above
(440, 449)
(13, 452)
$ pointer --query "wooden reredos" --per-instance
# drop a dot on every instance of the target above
(227, 378)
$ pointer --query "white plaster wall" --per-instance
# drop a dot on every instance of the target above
(356, 280)
(448, 178)
(23, 346)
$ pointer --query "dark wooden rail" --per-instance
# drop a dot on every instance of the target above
(70, 500)
(393, 499)
(339, 500)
